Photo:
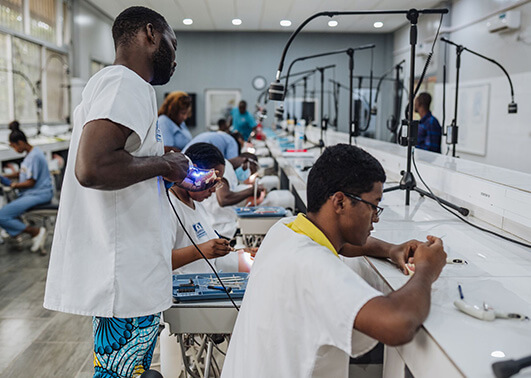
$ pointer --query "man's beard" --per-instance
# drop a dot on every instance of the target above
(162, 65)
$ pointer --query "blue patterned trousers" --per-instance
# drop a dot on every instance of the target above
(123, 347)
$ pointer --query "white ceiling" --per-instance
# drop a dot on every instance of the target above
(265, 15)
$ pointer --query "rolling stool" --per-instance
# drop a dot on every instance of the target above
(42, 216)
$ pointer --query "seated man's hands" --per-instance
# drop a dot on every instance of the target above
(260, 195)
(430, 257)
(251, 250)
(400, 253)
(215, 248)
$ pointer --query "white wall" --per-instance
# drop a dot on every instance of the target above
(508, 138)
(214, 60)
(92, 38)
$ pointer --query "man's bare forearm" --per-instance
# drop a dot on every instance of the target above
(120, 170)
(373, 247)
(229, 198)
(395, 318)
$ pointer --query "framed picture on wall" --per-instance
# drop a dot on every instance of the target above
(218, 104)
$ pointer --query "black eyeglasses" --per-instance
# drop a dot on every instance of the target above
(377, 209)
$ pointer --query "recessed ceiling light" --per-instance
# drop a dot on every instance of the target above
(285, 23)
(236, 22)
(82, 20)
(378, 24)
(332, 23)
(188, 21)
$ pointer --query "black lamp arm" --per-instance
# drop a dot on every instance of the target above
(486, 58)
(348, 51)
(309, 57)
(341, 13)
(384, 76)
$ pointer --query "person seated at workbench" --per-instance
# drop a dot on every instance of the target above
(173, 112)
(220, 207)
(305, 311)
(230, 145)
(34, 185)
(224, 126)
(196, 221)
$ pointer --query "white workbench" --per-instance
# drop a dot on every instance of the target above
(451, 343)
(48, 144)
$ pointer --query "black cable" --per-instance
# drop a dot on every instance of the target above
(201, 253)
(219, 350)
(444, 95)
(368, 124)
(463, 219)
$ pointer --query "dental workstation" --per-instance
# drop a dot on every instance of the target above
(265, 188)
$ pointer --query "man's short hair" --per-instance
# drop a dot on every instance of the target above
(221, 122)
(341, 168)
(205, 155)
(132, 19)
(424, 100)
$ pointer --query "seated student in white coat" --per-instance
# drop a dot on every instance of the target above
(220, 207)
(305, 311)
(185, 257)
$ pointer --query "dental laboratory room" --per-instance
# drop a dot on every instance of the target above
(265, 188)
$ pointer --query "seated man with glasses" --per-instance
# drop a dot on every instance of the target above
(305, 311)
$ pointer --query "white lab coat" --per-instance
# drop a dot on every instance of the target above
(111, 251)
(197, 223)
(298, 312)
(224, 219)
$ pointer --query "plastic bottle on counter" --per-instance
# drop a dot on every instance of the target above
(299, 134)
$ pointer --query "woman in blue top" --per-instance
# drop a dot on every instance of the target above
(176, 107)
(35, 188)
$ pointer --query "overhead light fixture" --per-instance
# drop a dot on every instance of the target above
(332, 23)
(285, 23)
(83, 20)
(188, 21)
(236, 22)
(498, 354)
(378, 24)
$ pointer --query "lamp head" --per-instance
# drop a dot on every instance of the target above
(276, 91)
(513, 108)
(279, 112)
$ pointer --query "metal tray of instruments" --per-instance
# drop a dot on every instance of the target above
(205, 286)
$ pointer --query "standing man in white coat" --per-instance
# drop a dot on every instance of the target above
(305, 311)
(111, 253)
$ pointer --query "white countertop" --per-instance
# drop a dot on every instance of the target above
(498, 273)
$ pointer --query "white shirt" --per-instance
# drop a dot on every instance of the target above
(111, 251)
(196, 222)
(224, 219)
(298, 312)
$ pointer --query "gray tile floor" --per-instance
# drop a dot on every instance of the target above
(35, 342)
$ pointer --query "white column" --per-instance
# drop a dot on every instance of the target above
(26, 16)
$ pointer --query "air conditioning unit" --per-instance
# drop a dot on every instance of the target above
(504, 22)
